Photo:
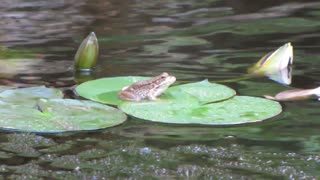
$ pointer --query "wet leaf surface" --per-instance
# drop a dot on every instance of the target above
(237, 110)
(41, 109)
(184, 104)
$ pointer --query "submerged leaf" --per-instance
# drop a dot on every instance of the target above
(174, 42)
(295, 94)
(186, 41)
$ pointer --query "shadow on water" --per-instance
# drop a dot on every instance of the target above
(193, 40)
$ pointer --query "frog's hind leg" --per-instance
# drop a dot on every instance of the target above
(127, 96)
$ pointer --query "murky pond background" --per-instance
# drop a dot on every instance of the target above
(191, 39)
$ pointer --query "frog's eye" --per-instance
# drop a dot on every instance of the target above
(165, 74)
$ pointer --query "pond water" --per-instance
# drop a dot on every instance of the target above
(194, 40)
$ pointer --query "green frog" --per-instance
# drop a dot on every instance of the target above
(147, 89)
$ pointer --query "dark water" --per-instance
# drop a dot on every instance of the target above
(191, 39)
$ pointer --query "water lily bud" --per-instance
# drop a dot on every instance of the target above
(282, 76)
(274, 61)
(87, 54)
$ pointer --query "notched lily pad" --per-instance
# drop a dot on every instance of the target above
(106, 90)
(237, 110)
(194, 103)
(204, 91)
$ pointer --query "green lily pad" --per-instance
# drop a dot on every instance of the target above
(59, 115)
(237, 110)
(3, 88)
(194, 103)
(29, 95)
(95, 89)
(41, 109)
(204, 91)
(106, 90)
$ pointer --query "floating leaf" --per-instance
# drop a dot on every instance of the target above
(41, 109)
(59, 115)
(3, 88)
(29, 95)
(106, 90)
(184, 104)
(274, 61)
(204, 91)
(99, 89)
(237, 110)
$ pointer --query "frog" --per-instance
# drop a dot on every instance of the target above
(147, 89)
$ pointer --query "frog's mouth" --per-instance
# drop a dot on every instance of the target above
(170, 80)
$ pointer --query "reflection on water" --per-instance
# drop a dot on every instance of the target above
(39, 22)
(191, 39)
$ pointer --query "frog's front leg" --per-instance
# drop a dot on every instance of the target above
(152, 98)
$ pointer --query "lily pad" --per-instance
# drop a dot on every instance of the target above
(194, 103)
(106, 90)
(204, 91)
(237, 110)
(59, 115)
(93, 90)
(29, 95)
(3, 88)
(41, 109)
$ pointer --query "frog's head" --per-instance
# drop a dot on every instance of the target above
(164, 80)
